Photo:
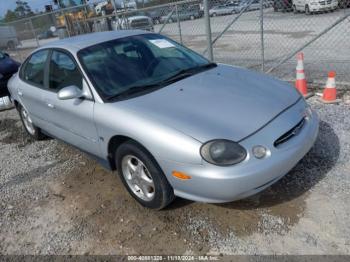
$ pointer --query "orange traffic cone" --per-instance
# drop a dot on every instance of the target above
(300, 82)
(330, 92)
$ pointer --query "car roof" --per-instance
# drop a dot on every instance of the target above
(76, 43)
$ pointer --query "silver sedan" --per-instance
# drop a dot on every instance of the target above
(171, 122)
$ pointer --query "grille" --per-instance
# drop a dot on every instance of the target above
(291, 133)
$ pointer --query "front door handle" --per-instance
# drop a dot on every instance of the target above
(50, 105)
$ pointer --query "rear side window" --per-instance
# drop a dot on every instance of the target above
(63, 72)
(34, 68)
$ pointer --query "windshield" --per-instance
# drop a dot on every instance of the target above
(140, 63)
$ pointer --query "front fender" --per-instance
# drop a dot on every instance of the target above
(163, 142)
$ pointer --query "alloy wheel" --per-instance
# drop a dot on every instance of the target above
(28, 123)
(138, 178)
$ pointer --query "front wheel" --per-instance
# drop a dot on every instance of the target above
(33, 131)
(142, 176)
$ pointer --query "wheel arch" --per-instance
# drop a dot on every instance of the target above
(115, 142)
(16, 103)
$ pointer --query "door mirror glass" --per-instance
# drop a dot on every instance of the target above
(69, 92)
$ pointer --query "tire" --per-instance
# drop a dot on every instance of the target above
(138, 169)
(11, 45)
(295, 11)
(192, 17)
(33, 131)
(307, 10)
(170, 20)
(214, 14)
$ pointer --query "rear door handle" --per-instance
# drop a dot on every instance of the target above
(50, 105)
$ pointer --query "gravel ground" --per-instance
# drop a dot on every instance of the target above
(56, 200)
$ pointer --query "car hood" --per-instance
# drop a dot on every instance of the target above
(224, 102)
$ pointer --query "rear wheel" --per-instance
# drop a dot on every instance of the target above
(11, 45)
(33, 131)
(307, 10)
(295, 9)
(142, 176)
(213, 15)
(192, 17)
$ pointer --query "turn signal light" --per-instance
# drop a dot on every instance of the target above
(181, 175)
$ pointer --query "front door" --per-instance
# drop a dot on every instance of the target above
(70, 120)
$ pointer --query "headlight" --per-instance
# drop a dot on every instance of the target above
(223, 152)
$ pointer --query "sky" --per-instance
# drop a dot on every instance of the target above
(11, 4)
(34, 4)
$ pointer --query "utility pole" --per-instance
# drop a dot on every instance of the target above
(208, 30)
(114, 6)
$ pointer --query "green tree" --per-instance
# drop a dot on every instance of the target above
(23, 9)
(10, 16)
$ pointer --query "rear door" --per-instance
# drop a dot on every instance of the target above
(32, 85)
(70, 120)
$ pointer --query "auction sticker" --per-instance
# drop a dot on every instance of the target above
(161, 43)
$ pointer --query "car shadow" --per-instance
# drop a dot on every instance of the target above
(304, 176)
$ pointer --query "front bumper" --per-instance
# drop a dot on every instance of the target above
(215, 184)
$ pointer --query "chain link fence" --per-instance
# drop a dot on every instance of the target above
(262, 35)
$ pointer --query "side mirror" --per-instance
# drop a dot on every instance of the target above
(70, 92)
(6, 54)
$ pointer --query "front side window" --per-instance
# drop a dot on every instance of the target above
(35, 67)
(63, 72)
(139, 61)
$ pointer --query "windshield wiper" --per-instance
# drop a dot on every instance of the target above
(149, 87)
(133, 90)
(188, 72)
